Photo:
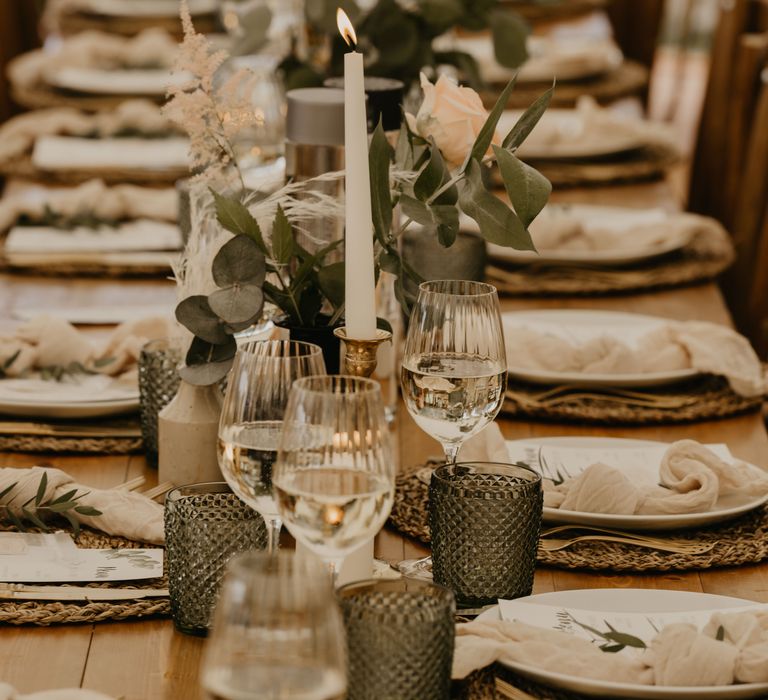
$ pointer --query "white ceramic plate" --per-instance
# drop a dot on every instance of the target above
(624, 136)
(578, 325)
(725, 509)
(146, 8)
(93, 409)
(627, 600)
(618, 219)
(98, 81)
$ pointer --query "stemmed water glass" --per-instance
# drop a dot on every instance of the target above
(454, 363)
(251, 419)
(334, 478)
(277, 633)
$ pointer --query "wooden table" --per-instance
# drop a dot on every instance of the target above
(144, 660)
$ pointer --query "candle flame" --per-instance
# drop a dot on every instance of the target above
(345, 28)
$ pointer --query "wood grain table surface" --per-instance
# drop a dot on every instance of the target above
(144, 660)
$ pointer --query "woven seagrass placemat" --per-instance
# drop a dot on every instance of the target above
(23, 167)
(701, 398)
(121, 436)
(628, 79)
(740, 541)
(648, 163)
(44, 613)
(42, 96)
(107, 269)
(492, 682)
(708, 254)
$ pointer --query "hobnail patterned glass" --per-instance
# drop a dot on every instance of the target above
(158, 383)
(485, 520)
(205, 526)
(399, 639)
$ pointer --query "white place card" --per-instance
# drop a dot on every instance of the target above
(559, 462)
(592, 624)
(35, 558)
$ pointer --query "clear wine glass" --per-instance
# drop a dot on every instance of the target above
(277, 633)
(454, 363)
(334, 478)
(251, 419)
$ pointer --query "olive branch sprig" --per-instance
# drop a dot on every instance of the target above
(62, 505)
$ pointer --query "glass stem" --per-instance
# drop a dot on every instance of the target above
(334, 567)
(274, 525)
(451, 451)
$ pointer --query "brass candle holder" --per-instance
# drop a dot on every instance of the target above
(360, 355)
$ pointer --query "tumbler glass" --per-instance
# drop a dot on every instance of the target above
(158, 383)
(205, 526)
(485, 519)
(399, 639)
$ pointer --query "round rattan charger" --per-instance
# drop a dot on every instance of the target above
(736, 542)
(708, 254)
(23, 167)
(88, 269)
(702, 398)
(42, 96)
(70, 23)
(627, 80)
(68, 444)
(44, 613)
(650, 162)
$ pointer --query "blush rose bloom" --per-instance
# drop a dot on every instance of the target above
(452, 116)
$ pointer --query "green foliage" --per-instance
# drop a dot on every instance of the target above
(398, 36)
(35, 509)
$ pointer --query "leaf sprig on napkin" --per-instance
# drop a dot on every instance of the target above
(35, 508)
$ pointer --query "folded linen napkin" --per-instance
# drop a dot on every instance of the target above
(94, 198)
(680, 655)
(8, 692)
(561, 230)
(93, 49)
(707, 347)
(18, 135)
(692, 479)
(47, 341)
(588, 129)
(123, 513)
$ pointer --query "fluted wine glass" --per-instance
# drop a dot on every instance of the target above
(277, 633)
(334, 478)
(454, 368)
(251, 419)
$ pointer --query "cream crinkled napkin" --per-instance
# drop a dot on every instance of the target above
(707, 347)
(18, 135)
(692, 479)
(94, 198)
(680, 655)
(123, 513)
(93, 49)
(47, 341)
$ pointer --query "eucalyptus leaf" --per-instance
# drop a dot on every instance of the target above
(34, 518)
(628, 640)
(237, 303)
(207, 363)
(254, 31)
(73, 522)
(380, 157)
(416, 210)
(8, 489)
(485, 135)
(197, 316)
(441, 15)
(239, 260)
(498, 223)
(527, 188)
(510, 35)
(519, 132)
(234, 216)
(282, 238)
(61, 499)
(403, 148)
(87, 510)
(331, 280)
